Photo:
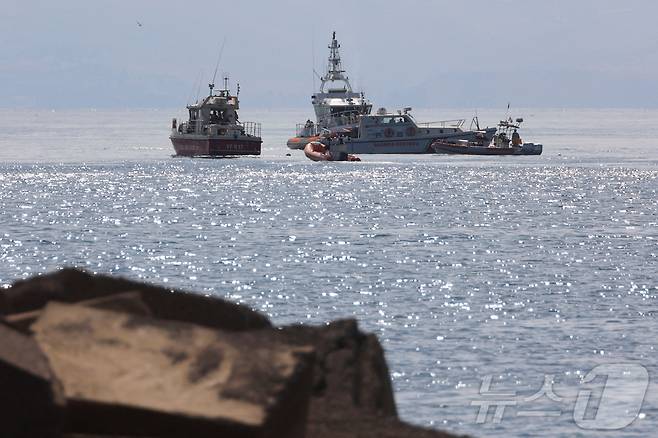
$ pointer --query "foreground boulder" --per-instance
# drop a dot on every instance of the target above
(126, 359)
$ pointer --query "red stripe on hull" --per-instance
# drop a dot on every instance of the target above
(189, 147)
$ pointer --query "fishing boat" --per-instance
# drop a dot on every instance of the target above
(336, 105)
(506, 141)
(399, 133)
(213, 128)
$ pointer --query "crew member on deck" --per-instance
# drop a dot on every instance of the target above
(516, 139)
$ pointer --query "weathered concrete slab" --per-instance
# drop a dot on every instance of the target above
(72, 285)
(123, 373)
(31, 405)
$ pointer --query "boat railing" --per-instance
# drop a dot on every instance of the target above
(344, 118)
(348, 117)
(307, 129)
(456, 123)
(250, 128)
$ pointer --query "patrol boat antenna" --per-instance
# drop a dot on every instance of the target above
(219, 58)
(335, 70)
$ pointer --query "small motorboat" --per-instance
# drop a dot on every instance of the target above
(471, 148)
(506, 141)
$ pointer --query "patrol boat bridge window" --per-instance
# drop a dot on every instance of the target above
(393, 120)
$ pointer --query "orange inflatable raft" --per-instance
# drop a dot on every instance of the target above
(299, 142)
(316, 151)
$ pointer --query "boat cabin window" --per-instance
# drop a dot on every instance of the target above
(392, 120)
(337, 110)
(217, 116)
(344, 115)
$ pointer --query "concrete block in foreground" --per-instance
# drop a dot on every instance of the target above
(130, 375)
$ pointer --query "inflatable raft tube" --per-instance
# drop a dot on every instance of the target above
(300, 142)
(316, 151)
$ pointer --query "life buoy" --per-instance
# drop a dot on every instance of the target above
(388, 132)
(411, 131)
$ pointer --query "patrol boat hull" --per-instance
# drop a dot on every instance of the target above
(204, 146)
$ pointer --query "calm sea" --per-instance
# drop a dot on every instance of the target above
(521, 282)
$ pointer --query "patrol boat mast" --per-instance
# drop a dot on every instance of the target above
(335, 70)
(337, 105)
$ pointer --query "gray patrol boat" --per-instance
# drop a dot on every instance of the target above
(399, 133)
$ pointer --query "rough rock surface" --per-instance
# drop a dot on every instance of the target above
(350, 367)
(352, 390)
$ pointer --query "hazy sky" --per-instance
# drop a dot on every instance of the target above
(420, 53)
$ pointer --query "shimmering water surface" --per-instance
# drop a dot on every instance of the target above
(466, 267)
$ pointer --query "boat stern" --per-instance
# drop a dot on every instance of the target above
(531, 149)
